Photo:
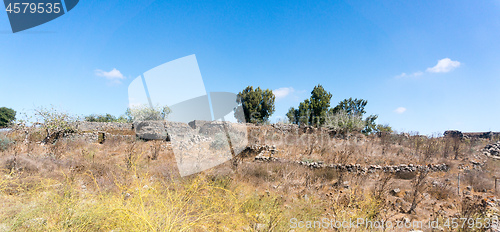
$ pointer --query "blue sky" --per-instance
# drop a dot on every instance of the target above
(423, 66)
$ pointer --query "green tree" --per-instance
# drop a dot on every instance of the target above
(384, 128)
(312, 111)
(257, 105)
(55, 123)
(105, 118)
(343, 122)
(351, 106)
(304, 112)
(7, 116)
(370, 125)
(356, 107)
(319, 104)
(146, 113)
(293, 115)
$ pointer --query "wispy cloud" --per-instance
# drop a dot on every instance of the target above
(283, 92)
(400, 110)
(415, 74)
(114, 75)
(443, 66)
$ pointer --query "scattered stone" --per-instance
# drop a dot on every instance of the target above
(395, 191)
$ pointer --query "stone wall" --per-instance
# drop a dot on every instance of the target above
(102, 126)
(471, 135)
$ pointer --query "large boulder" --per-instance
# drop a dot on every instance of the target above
(150, 130)
(453, 134)
(197, 124)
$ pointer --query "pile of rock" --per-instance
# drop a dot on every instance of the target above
(265, 152)
(403, 168)
(318, 164)
(492, 150)
(264, 158)
(285, 128)
(260, 148)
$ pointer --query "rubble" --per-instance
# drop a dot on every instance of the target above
(492, 150)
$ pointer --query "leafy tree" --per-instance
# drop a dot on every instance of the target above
(384, 128)
(370, 125)
(55, 123)
(105, 118)
(304, 112)
(7, 116)
(312, 111)
(147, 113)
(258, 105)
(352, 106)
(343, 122)
(357, 107)
(293, 115)
(319, 104)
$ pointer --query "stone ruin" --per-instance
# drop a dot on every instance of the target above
(471, 135)
(492, 150)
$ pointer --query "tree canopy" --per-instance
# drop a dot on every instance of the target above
(105, 118)
(312, 111)
(345, 117)
(257, 105)
(7, 116)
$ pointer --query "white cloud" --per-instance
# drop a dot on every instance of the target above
(400, 110)
(283, 92)
(443, 66)
(415, 74)
(114, 75)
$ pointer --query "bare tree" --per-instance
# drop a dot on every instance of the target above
(419, 185)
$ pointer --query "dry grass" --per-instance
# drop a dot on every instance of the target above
(126, 185)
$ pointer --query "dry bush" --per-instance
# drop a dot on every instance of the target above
(472, 208)
(325, 174)
(419, 186)
(258, 171)
(382, 186)
(441, 191)
(479, 180)
(431, 151)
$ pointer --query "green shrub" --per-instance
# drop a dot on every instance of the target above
(5, 143)
(7, 116)
(147, 113)
(344, 123)
(105, 118)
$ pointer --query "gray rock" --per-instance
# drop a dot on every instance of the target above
(150, 130)
(395, 191)
(197, 124)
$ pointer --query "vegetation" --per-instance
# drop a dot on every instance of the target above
(5, 143)
(147, 113)
(7, 116)
(133, 185)
(54, 123)
(343, 122)
(312, 111)
(105, 118)
(345, 117)
(258, 105)
(351, 106)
